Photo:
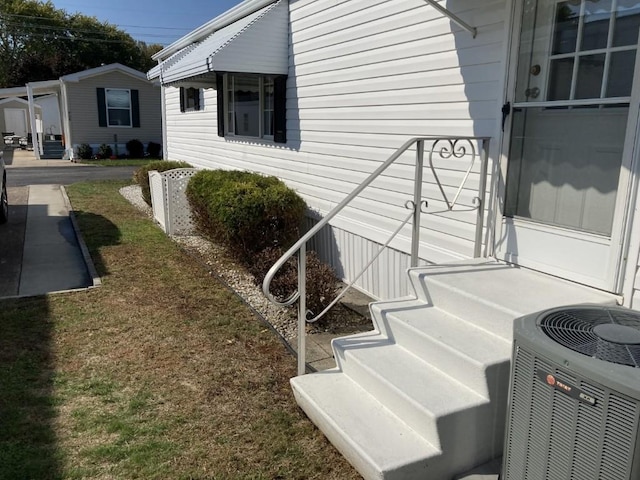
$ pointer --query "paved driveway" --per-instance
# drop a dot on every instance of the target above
(11, 241)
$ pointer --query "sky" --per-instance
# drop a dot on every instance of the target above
(152, 21)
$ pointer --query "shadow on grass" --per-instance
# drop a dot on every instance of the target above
(97, 232)
(28, 447)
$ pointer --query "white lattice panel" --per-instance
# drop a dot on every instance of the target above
(158, 203)
(179, 212)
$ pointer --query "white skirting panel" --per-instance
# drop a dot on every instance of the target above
(349, 253)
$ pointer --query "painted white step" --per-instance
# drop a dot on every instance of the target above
(493, 294)
(373, 439)
(471, 355)
(434, 404)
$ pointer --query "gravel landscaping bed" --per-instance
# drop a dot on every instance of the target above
(340, 320)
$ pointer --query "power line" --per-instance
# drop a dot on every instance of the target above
(116, 25)
(72, 30)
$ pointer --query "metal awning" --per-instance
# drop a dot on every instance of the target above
(257, 43)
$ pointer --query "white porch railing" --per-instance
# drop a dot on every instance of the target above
(444, 148)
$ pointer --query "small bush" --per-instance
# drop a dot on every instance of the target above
(154, 150)
(104, 151)
(141, 176)
(135, 148)
(85, 152)
(322, 283)
(246, 212)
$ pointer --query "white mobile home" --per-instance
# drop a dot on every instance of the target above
(525, 115)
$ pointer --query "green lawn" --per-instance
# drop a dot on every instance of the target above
(160, 373)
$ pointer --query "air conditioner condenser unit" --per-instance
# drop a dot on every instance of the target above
(574, 397)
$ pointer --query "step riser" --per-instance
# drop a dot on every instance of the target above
(452, 362)
(420, 419)
(485, 315)
(482, 425)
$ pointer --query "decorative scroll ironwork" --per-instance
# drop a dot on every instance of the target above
(452, 148)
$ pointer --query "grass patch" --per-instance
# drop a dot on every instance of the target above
(120, 162)
(160, 373)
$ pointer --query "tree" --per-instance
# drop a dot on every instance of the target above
(40, 42)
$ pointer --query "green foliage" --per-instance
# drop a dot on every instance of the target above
(154, 150)
(322, 283)
(104, 151)
(85, 152)
(141, 176)
(245, 211)
(135, 148)
(41, 42)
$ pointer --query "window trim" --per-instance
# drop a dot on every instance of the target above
(107, 108)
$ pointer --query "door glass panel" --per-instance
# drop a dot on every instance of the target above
(564, 166)
(560, 79)
(589, 81)
(621, 73)
(627, 23)
(566, 28)
(596, 24)
(577, 49)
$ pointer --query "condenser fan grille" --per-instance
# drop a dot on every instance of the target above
(609, 334)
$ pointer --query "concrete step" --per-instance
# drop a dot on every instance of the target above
(492, 294)
(471, 355)
(372, 438)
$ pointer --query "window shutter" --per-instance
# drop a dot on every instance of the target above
(135, 109)
(197, 92)
(220, 102)
(102, 107)
(280, 109)
(182, 95)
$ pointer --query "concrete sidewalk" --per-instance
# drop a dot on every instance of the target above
(51, 258)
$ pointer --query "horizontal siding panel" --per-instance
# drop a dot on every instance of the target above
(364, 77)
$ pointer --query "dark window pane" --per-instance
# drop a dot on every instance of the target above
(590, 70)
(268, 123)
(621, 73)
(118, 117)
(627, 23)
(566, 28)
(560, 79)
(247, 106)
(596, 25)
(118, 98)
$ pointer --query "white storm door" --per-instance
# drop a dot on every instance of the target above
(572, 137)
(15, 120)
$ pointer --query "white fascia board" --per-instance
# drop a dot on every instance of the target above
(232, 15)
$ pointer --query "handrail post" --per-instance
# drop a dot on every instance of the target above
(482, 193)
(417, 200)
(302, 308)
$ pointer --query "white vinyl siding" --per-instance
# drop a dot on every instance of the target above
(364, 77)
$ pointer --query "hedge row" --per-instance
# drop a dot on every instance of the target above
(256, 218)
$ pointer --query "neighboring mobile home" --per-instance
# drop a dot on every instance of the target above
(111, 104)
(320, 93)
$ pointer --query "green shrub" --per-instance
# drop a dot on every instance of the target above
(104, 151)
(244, 211)
(135, 148)
(141, 176)
(85, 152)
(321, 286)
(154, 150)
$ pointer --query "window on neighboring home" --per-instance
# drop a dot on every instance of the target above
(189, 99)
(118, 107)
(252, 106)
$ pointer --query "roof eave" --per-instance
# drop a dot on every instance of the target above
(233, 14)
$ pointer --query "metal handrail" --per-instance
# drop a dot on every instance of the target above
(452, 149)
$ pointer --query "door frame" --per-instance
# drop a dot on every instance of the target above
(630, 169)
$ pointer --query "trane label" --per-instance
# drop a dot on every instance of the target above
(565, 387)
